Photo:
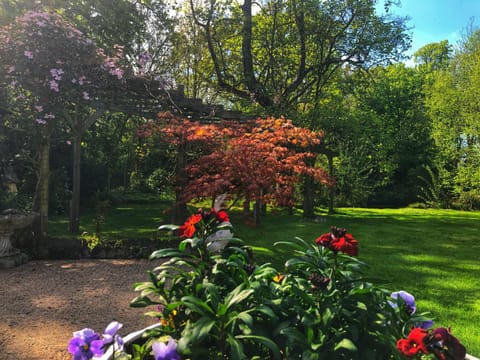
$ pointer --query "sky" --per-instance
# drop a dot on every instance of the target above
(437, 20)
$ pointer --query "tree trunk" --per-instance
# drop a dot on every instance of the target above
(308, 198)
(75, 201)
(179, 213)
(257, 211)
(309, 193)
(331, 190)
(78, 125)
(40, 203)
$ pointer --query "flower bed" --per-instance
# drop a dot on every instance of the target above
(211, 300)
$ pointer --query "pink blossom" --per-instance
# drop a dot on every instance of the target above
(54, 86)
(68, 142)
(85, 95)
(40, 121)
(81, 80)
(28, 54)
(39, 108)
(117, 72)
(41, 23)
(56, 73)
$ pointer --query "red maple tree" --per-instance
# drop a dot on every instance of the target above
(260, 160)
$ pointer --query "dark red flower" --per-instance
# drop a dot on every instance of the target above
(339, 240)
(414, 343)
(318, 281)
(447, 346)
(188, 228)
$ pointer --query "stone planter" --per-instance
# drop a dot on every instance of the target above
(129, 339)
(10, 221)
(470, 357)
(132, 337)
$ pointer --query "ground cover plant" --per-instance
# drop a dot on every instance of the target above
(430, 253)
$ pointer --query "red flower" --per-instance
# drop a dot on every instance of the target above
(339, 240)
(188, 228)
(324, 240)
(414, 343)
(407, 347)
(346, 244)
(221, 215)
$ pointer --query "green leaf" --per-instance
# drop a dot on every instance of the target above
(163, 253)
(264, 341)
(168, 227)
(236, 348)
(266, 310)
(142, 301)
(201, 328)
(237, 296)
(153, 277)
(346, 344)
(361, 305)
(245, 317)
(197, 306)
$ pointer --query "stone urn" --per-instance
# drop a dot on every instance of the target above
(11, 220)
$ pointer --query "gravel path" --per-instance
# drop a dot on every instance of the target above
(43, 302)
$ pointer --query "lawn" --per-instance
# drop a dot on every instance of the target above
(433, 254)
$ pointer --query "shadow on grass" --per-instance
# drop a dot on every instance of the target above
(433, 254)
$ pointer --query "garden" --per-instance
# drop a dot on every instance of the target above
(393, 256)
(264, 181)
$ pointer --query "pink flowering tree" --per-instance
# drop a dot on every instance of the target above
(65, 78)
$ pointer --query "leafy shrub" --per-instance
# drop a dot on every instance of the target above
(220, 304)
(213, 302)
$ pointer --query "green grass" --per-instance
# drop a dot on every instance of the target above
(126, 221)
(433, 254)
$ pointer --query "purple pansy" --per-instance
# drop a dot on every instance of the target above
(408, 300)
(427, 324)
(87, 343)
(110, 334)
(165, 352)
(80, 346)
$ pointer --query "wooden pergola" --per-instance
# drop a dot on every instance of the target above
(147, 97)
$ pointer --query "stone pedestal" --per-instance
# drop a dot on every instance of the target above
(9, 222)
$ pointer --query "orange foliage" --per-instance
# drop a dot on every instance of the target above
(259, 160)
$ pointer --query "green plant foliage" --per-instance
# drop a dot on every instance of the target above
(221, 304)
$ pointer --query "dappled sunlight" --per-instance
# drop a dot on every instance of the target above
(31, 334)
(51, 302)
(47, 301)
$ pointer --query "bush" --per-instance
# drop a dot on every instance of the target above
(220, 304)
(214, 302)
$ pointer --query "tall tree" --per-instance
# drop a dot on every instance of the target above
(396, 98)
(453, 107)
(434, 56)
(66, 78)
(280, 53)
(276, 56)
